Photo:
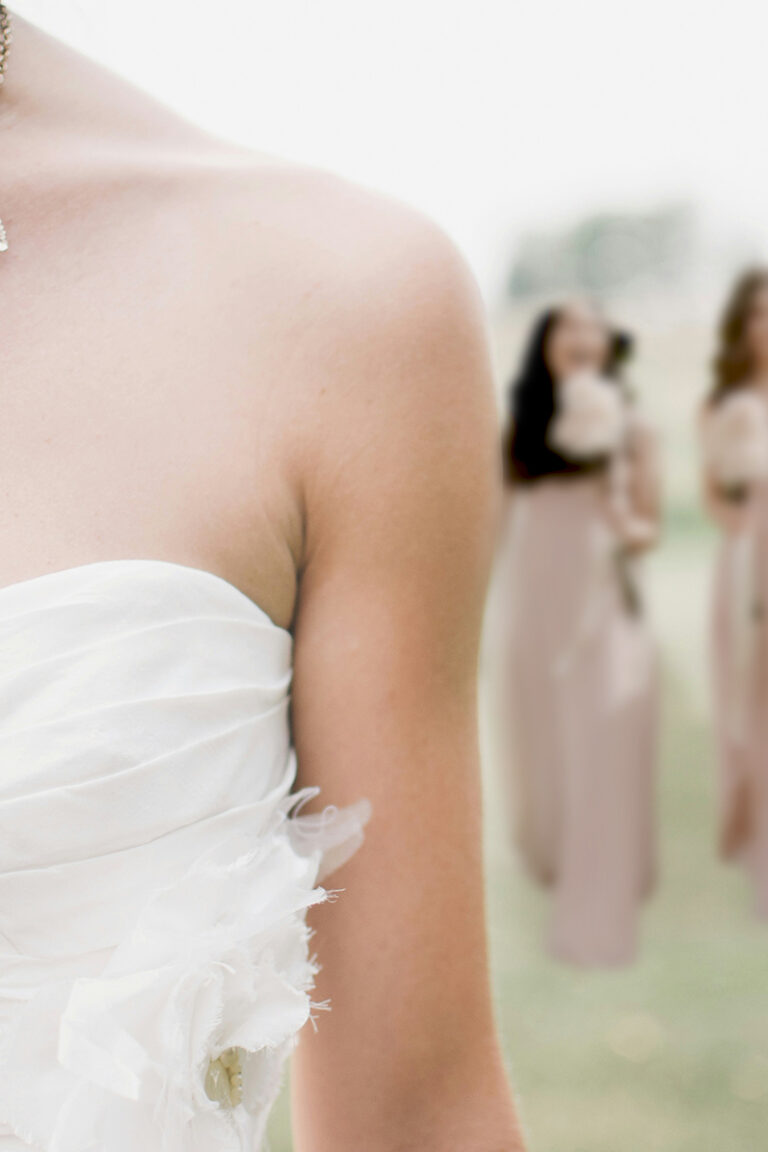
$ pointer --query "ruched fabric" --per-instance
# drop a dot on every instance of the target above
(154, 872)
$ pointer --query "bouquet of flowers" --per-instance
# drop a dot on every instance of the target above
(589, 419)
(735, 443)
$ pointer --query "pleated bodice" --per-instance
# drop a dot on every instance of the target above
(153, 873)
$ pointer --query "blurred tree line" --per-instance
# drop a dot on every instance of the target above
(607, 252)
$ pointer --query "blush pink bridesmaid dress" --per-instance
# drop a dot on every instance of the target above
(582, 720)
(740, 682)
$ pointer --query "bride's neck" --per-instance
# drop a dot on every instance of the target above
(42, 78)
(52, 87)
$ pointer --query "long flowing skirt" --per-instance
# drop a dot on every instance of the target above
(582, 722)
(740, 682)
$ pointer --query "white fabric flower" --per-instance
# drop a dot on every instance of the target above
(735, 439)
(589, 418)
(216, 965)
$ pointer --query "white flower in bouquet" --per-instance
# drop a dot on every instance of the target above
(589, 419)
(736, 440)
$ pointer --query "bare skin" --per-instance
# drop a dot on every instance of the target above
(731, 517)
(735, 517)
(216, 359)
(635, 505)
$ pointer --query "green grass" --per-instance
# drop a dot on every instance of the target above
(658, 1057)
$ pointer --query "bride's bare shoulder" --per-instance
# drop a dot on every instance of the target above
(336, 244)
(379, 315)
(356, 283)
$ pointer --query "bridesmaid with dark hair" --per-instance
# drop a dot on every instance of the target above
(582, 468)
(734, 432)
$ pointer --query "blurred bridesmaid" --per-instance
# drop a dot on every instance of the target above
(734, 432)
(582, 470)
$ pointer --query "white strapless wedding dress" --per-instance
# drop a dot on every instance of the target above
(154, 875)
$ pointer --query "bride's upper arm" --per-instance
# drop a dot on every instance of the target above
(401, 485)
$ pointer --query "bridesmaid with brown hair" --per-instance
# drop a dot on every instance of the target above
(581, 679)
(734, 433)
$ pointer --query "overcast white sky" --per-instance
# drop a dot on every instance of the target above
(490, 115)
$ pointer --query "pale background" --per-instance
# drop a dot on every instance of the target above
(490, 115)
(499, 119)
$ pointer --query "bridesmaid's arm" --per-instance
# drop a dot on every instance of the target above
(645, 487)
(636, 514)
(731, 517)
(401, 496)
